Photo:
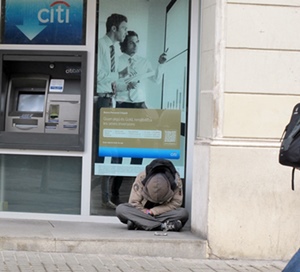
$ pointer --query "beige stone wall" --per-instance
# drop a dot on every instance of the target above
(262, 65)
(249, 81)
(253, 212)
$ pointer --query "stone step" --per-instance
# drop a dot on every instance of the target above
(98, 238)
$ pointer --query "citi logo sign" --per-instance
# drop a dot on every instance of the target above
(59, 12)
(56, 16)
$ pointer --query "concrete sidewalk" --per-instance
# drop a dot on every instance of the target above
(40, 245)
(13, 261)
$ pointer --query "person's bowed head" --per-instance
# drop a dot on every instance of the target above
(158, 189)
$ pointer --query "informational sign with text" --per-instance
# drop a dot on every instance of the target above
(139, 133)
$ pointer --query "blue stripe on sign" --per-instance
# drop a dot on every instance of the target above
(139, 152)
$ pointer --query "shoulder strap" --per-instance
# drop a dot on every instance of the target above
(293, 176)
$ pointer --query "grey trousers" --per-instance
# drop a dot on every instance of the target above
(144, 221)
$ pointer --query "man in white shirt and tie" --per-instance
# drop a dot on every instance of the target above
(130, 90)
(108, 74)
(116, 31)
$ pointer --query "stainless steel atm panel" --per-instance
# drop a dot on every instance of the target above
(62, 112)
(25, 111)
(42, 99)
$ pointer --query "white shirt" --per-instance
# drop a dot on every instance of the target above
(105, 77)
(144, 70)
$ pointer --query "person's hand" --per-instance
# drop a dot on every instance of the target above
(131, 85)
(131, 71)
(162, 58)
(148, 212)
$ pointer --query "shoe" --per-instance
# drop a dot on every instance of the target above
(109, 205)
(130, 225)
(172, 226)
(115, 200)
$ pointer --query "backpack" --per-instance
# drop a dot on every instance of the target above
(164, 167)
(289, 154)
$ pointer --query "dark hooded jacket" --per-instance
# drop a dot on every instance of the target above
(157, 190)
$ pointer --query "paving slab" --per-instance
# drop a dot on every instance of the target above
(12, 261)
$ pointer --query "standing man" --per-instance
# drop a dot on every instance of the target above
(108, 74)
(131, 91)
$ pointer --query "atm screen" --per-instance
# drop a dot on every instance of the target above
(31, 102)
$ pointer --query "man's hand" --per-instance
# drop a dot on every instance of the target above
(163, 57)
(148, 212)
(131, 71)
(132, 85)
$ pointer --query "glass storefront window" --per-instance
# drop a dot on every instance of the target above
(140, 100)
(40, 184)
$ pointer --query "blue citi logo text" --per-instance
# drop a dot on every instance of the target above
(59, 12)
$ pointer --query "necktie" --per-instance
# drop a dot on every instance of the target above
(112, 58)
(132, 93)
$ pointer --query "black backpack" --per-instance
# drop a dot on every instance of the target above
(289, 153)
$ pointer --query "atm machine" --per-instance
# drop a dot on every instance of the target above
(42, 101)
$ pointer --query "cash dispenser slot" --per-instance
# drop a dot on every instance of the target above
(25, 124)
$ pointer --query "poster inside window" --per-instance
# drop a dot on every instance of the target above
(141, 86)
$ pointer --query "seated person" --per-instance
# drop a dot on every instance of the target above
(155, 200)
